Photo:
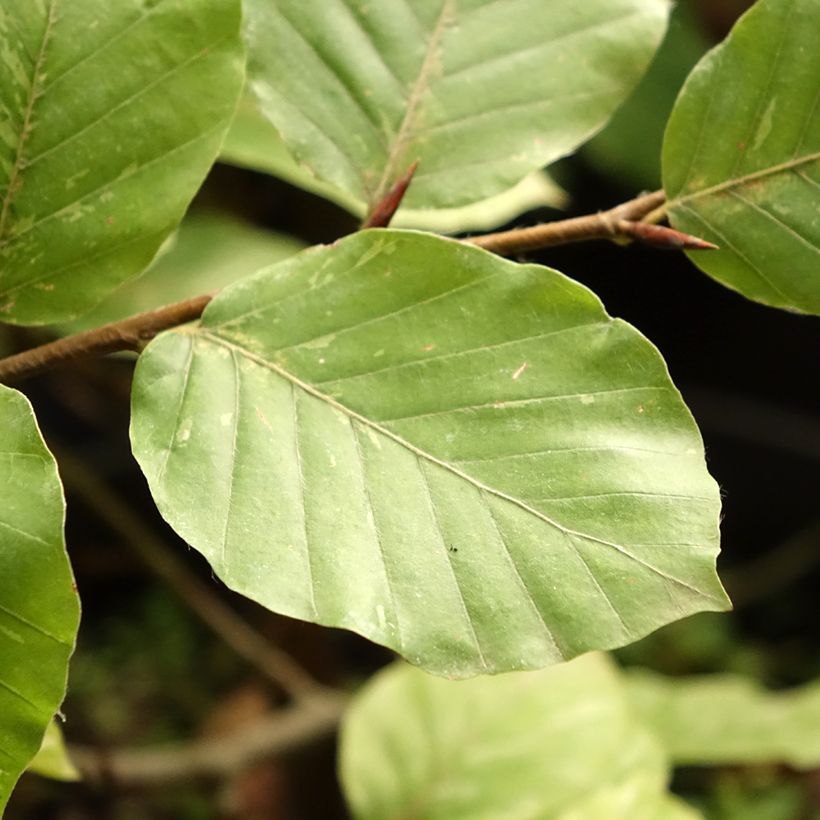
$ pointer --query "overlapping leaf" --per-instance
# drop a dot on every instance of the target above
(110, 116)
(481, 92)
(253, 142)
(726, 719)
(456, 456)
(741, 160)
(39, 610)
(555, 745)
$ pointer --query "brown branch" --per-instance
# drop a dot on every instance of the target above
(618, 224)
(603, 225)
(126, 334)
(278, 734)
(240, 636)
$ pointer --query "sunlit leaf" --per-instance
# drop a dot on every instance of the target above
(558, 744)
(741, 158)
(480, 92)
(462, 458)
(110, 116)
(52, 760)
(39, 610)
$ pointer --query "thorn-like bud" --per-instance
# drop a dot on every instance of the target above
(383, 211)
(659, 236)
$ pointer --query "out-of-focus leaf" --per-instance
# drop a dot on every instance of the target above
(111, 114)
(481, 93)
(210, 250)
(254, 143)
(556, 744)
(741, 157)
(39, 609)
(629, 148)
(459, 457)
(52, 760)
(727, 719)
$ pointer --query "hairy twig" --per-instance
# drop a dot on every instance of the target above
(277, 734)
(275, 664)
(621, 223)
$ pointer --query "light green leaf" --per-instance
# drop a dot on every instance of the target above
(728, 719)
(629, 148)
(253, 142)
(52, 760)
(210, 250)
(480, 92)
(558, 744)
(741, 157)
(110, 116)
(456, 456)
(39, 610)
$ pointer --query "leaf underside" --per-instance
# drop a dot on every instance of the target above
(742, 156)
(555, 745)
(110, 116)
(39, 610)
(458, 457)
(480, 92)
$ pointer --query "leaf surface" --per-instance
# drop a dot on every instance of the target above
(480, 92)
(39, 609)
(459, 457)
(559, 744)
(728, 719)
(253, 142)
(110, 116)
(741, 158)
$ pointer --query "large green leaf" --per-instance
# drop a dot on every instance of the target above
(253, 142)
(39, 610)
(456, 456)
(480, 92)
(110, 116)
(741, 157)
(728, 719)
(209, 251)
(560, 743)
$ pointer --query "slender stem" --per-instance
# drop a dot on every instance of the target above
(132, 333)
(222, 757)
(126, 334)
(603, 225)
(239, 635)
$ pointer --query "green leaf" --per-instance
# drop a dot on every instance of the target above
(456, 456)
(741, 157)
(110, 116)
(728, 719)
(52, 760)
(39, 609)
(629, 148)
(554, 744)
(253, 142)
(480, 92)
(210, 250)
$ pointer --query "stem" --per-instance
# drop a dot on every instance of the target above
(132, 333)
(240, 636)
(280, 733)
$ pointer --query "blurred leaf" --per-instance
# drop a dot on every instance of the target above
(554, 744)
(254, 143)
(39, 609)
(726, 719)
(741, 157)
(359, 91)
(52, 760)
(110, 116)
(210, 250)
(461, 458)
(629, 148)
